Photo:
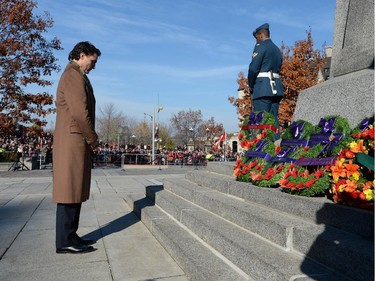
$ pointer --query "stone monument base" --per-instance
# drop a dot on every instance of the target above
(350, 96)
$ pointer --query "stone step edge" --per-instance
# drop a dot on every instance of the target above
(284, 242)
(313, 233)
(329, 213)
(268, 247)
(274, 216)
(150, 215)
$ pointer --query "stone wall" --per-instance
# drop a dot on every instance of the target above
(350, 90)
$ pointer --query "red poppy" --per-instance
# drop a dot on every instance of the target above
(236, 172)
(300, 185)
(283, 182)
(279, 169)
(287, 174)
(371, 133)
(319, 174)
(294, 172)
(290, 184)
(256, 176)
(253, 164)
(309, 183)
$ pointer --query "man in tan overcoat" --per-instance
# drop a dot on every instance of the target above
(74, 140)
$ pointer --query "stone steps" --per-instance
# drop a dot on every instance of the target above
(318, 210)
(199, 261)
(214, 226)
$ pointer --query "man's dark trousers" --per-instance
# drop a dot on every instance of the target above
(67, 221)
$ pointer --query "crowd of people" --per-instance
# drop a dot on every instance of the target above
(178, 156)
(28, 146)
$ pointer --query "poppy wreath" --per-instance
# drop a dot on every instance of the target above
(270, 175)
(305, 181)
(299, 180)
(315, 180)
(258, 128)
(258, 125)
(348, 180)
(341, 126)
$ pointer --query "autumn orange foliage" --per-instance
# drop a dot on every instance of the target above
(299, 71)
(243, 104)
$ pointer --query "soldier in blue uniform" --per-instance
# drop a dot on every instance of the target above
(263, 76)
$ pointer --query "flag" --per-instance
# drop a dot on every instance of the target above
(156, 136)
(221, 139)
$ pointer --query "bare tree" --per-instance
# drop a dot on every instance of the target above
(129, 130)
(110, 123)
(185, 124)
(143, 134)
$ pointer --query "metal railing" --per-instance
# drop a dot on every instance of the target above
(161, 159)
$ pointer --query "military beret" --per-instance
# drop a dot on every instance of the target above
(263, 26)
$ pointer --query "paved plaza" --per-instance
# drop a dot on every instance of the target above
(126, 250)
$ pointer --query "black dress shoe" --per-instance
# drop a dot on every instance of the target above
(76, 249)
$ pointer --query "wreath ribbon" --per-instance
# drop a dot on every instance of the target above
(255, 127)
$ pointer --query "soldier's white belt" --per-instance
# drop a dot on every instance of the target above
(268, 75)
(272, 81)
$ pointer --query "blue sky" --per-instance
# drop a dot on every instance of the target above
(182, 54)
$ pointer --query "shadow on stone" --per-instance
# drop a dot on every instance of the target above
(112, 227)
(337, 249)
(127, 220)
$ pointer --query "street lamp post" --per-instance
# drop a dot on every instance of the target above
(118, 138)
(207, 145)
(191, 142)
(153, 136)
(153, 132)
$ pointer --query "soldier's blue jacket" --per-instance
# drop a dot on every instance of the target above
(266, 56)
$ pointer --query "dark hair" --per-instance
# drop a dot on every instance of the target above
(83, 47)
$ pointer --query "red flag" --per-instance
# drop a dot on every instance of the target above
(222, 138)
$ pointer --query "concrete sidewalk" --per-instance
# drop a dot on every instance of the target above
(126, 250)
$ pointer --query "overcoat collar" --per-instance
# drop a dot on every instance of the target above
(76, 66)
